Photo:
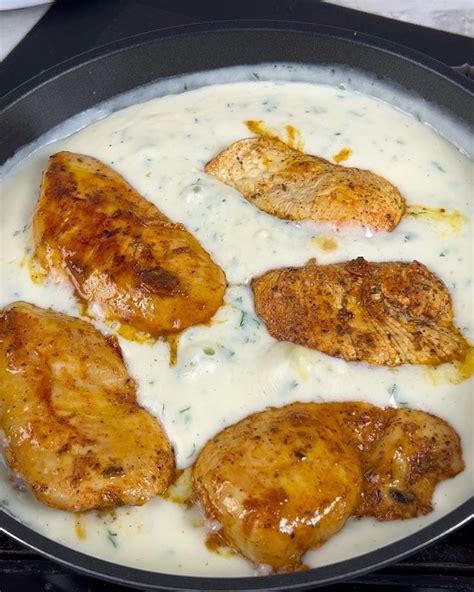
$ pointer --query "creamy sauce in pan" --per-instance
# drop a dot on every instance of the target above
(231, 368)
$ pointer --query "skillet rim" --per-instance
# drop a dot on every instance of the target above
(83, 58)
(300, 580)
(359, 565)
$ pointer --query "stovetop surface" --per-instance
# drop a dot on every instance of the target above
(71, 27)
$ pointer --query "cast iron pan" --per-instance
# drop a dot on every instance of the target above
(51, 97)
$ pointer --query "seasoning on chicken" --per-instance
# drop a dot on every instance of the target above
(119, 251)
(403, 467)
(283, 481)
(292, 185)
(73, 428)
(384, 313)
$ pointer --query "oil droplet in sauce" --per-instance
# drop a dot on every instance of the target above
(449, 222)
(257, 127)
(37, 274)
(123, 329)
(84, 310)
(132, 334)
(291, 136)
(342, 155)
(325, 242)
(216, 544)
(454, 372)
(173, 340)
(79, 528)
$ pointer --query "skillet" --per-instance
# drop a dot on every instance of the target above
(35, 107)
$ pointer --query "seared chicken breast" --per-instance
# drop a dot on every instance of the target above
(292, 185)
(384, 313)
(283, 481)
(73, 428)
(403, 467)
(279, 482)
(119, 251)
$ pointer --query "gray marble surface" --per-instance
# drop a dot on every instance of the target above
(455, 16)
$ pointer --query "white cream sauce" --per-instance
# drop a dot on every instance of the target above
(232, 368)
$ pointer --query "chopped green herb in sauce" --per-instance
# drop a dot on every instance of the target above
(111, 536)
(437, 166)
(392, 390)
(395, 401)
(191, 454)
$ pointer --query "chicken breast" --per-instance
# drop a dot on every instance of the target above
(283, 481)
(73, 428)
(119, 251)
(402, 469)
(292, 185)
(279, 482)
(384, 313)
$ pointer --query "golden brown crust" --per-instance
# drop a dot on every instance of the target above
(74, 430)
(120, 251)
(292, 185)
(285, 480)
(279, 482)
(384, 313)
(416, 451)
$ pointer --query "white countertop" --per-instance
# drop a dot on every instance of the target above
(456, 16)
(15, 24)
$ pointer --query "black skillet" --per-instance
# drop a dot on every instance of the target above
(78, 84)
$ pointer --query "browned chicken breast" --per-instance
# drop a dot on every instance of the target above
(73, 428)
(402, 468)
(279, 482)
(384, 313)
(292, 185)
(285, 480)
(119, 251)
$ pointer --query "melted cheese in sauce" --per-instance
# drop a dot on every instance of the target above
(232, 367)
